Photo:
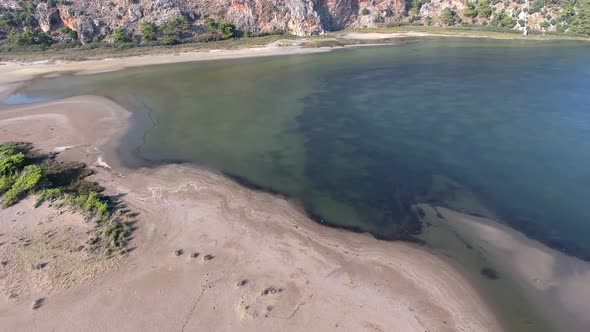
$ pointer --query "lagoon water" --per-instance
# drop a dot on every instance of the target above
(357, 136)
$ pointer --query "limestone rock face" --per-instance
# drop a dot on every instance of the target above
(299, 17)
(135, 13)
(48, 18)
(86, 29)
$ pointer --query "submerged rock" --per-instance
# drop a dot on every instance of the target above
(489, 273)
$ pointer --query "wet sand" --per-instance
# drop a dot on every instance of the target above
(272, 268)
(560, 284)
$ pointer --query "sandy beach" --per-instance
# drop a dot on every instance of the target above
(559, 283)
(14, 72)
(248, 260)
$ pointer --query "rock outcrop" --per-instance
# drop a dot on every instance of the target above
(48, 18)
(86, 29)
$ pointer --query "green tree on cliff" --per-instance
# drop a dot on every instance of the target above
(174, 29)
(484, 9)
(227, 29)
(29, 38)
(121, 36)
(581, 22)
(148, 31)
(211, 24)
(470, 10)
(171, 35)
(448, 16)
(503, 19)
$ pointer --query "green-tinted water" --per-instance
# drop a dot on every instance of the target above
(356, 135)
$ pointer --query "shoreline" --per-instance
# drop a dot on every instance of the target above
(252, 234)
(546, 275)
(13, 72)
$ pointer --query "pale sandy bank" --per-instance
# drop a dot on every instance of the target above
(273, 269)
(14, 72)
(386, 35)
(559, 283)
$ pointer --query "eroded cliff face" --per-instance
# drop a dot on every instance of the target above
(98, 18)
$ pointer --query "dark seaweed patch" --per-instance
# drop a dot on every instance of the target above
(489, 273)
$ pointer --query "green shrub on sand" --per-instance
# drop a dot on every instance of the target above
(24, 172)
(25, 182)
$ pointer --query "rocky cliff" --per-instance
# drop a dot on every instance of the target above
(97, 19)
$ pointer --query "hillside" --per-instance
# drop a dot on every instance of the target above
(46, 22)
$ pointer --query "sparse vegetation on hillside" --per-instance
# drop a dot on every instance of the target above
(448, 16)
(28, 38)
(121, 36)
(581, 21)
(470, 10)
(484, 9)
(125, 24)
(174, 29)
(503, 19)
(148, 31)
(24, 172)
(226, 30)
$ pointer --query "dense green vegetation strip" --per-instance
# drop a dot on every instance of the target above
(25, 172)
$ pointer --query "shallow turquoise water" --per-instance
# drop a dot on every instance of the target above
(357, 135)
